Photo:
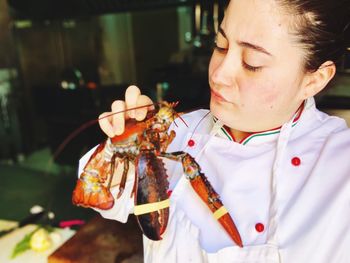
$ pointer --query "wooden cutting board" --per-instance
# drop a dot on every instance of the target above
(102, 241)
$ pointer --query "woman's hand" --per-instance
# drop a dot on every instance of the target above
(114, 124)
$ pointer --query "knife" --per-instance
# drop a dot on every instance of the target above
(26, 221)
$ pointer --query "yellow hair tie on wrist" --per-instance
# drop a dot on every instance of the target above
(151, 207)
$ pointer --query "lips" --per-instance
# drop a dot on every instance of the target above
(217, 96)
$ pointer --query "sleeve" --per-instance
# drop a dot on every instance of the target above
(124, 205)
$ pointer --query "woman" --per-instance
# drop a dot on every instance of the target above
(281, 167)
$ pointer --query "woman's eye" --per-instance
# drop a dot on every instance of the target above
(220, 49)
(251, 68)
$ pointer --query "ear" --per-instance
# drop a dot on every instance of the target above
(316, 81)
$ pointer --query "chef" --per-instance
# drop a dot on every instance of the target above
(280, 166)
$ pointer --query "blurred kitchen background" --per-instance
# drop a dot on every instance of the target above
(63, 62)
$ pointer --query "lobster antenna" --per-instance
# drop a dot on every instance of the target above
(173, 105)
(176, 124)
(85, 126)
(135, 108)
(195, 128)
(179, 116)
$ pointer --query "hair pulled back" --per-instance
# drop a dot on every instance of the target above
(322, 27)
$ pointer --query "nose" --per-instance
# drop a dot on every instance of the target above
(223, 70)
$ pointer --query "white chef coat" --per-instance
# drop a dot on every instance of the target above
(287, 190)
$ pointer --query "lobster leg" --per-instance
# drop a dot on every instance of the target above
(125, 161)
(206, 192)
(113, 168)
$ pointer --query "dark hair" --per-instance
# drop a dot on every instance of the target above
(322, 27)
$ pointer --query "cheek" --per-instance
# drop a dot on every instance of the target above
(270, 97)
(257, 94)
(212, 65)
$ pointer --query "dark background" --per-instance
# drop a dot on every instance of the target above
(66, 61)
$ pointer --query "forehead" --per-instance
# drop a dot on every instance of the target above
(258, 21)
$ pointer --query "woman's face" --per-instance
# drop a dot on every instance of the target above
(256, 72)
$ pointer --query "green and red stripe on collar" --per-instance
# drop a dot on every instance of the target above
(226, 133)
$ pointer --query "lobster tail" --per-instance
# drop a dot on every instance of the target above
(90, 190)
(100, 197)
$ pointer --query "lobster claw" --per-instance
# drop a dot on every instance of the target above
(206, 192)
(151, 200)
(152, 218)
(201, 186)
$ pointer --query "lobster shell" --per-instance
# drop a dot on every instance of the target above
(152, 186)
(90, 190)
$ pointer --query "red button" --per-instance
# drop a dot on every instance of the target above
(169, 193)
(190, 143)
(296, 161)
(259, 227)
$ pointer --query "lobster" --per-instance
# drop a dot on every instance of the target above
(142, 143)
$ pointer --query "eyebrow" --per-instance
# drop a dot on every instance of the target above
(246, 44)
(222, 32)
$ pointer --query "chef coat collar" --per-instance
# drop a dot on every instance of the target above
(256, 138)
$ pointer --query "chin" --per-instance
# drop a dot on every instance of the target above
(225, 114)
(215, 108)
(229, 116)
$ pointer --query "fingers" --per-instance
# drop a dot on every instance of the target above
(106, 124)
(115, 124)
(131, 95)
(141, 113)
(118, 119)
